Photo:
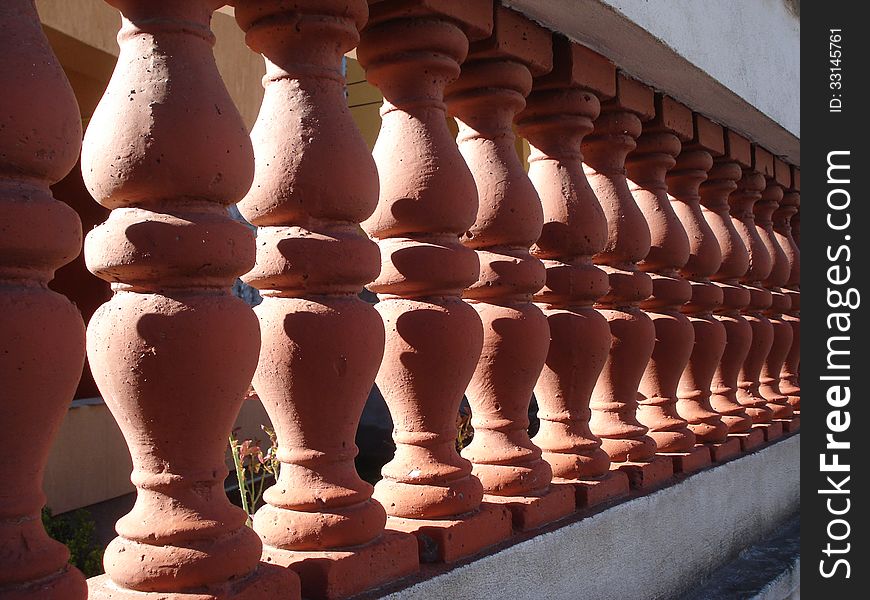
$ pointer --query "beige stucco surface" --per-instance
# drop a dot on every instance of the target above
(89, 461)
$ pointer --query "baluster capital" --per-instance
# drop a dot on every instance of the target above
(693, 168)
(559, 113)
(604, 152)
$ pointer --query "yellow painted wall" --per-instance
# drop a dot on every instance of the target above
(90, 463)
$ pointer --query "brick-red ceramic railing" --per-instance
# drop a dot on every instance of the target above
(492, 282)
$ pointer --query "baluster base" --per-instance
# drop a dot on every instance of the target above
(449, 540)
(68, 583)
(690, 461)
(724, 451)
(790, 425)
(646, 475)
(737, 423)
(268, 581)
(334, 574)
(780, 410)
(530, 512)
(591, 492)
(772, 431)
(749, 440)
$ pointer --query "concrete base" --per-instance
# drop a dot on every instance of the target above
(723, 451)
(628, 551)
(590, 492)
(749, 441)
(769, 570)
(647, 475)
(531, 512)
(449, 540)
(339, 574)
(772, 431)
(688, 462)
(268, 581)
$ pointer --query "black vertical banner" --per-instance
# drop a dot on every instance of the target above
(835, 260)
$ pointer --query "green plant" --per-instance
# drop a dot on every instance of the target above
(254, 468)
(464, 430)
(76, 530)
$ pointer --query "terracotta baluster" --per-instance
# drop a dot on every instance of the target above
(705, 258)
(558, 114)
(715, 192)
(411, 50)
(796, 223)
(173, 352)
(321, 345)
(647, 166)
(42, 337)
(496, 77)
(779, 275)
(615, 397)
(789, 383)
(742, 202)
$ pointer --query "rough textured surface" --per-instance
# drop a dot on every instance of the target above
(615, 396)
(647, 166)
(769, 570)
(742, 208)
(559, 113)
(334, 574)
(490, 90)
(779, 275)
(428, 198)
(450, 540)
(705, 257)
(42, 336)
(714, 193)
(321, 344)
(789, 383)
(662, 539)
(173, 352)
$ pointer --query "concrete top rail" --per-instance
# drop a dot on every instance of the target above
(736, 62)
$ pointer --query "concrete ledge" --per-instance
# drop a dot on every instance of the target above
(654, 546)
(736, 62)
(767, 571)
(785, 587)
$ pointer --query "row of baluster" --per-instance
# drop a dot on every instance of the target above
(642, 280)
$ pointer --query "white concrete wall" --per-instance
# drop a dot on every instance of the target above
(750, 46)
(736, 61)
(652, 547)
